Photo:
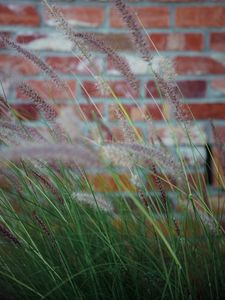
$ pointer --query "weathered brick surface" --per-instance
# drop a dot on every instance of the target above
(198, 65)
(80, 15)
(138, 113)
(24, 15)
(169, 136)
(202, 16)
(83, 111)
(18, 65)
(106, 183)
(191, 32)
(217, 41)
(119, 88)
(157, 17)
(208, 111)
(26, 111)
(189, 89)
(74, 65)
(48, 90)
(177, 41)
(219, 85)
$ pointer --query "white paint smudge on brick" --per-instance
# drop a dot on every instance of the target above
(73, 22)
(52, 42)
(137, 65)
(193, 155)
(170, 135)
(175, 41)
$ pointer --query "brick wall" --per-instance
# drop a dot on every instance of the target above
(192, 32)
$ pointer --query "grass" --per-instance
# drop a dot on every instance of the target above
(86, 253)
(63, 239)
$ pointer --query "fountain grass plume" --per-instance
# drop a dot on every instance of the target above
(35, 60)
(23, 132)
(49, 186)
(9, 235)
(129, 155)
(39, 102)
(78, 154)
(120, 63)
(130, 20)
(45, 230)
(96, 201)
(84, 40)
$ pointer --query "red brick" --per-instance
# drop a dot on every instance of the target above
(106, 183)
(217, 41)
(217, 204)
(189, 89)
(193, 156)
(207, 111)
(18, 64)
(205, 16)
(154, 111)
(25, 15)
(26, 111)
(137, 114)
(151, 17)
(118, 41)
(48, 89)
(168, 135)
(118, 133)
(193, 89)
(90, 111)
(219, 131)
(219, 85)
(74, 65)
(177, 41)
(186, 65)
(120, 88)
(167, 180)
(28, 38)
(80, 16)
(52, 41)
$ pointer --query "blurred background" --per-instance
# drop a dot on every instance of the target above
(190, 32)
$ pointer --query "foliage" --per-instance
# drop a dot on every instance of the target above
(62, 239)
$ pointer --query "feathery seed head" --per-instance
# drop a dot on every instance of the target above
(130, 20)
(41, 104)
(208, 221)
(95, 201)
(135, 180)
(164, 67)
(9, 235)
(118, 156)
(35, 60)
